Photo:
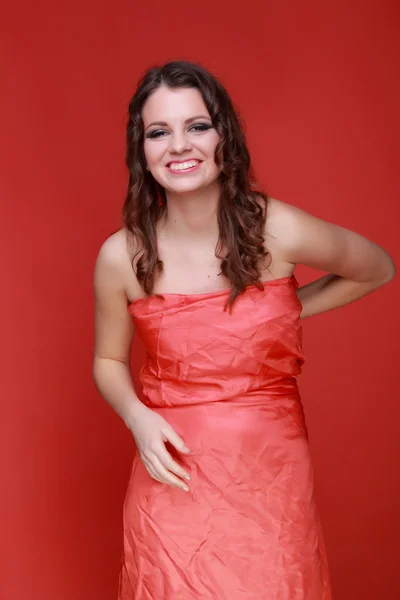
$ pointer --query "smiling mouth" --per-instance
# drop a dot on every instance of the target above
(183, 166)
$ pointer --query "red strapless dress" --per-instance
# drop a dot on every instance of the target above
(249, 528)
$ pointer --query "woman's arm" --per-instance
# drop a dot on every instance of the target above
(355, 265)
(332, 291)
(113, 332)
(111, 366)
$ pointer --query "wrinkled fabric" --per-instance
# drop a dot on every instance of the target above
(249, 528)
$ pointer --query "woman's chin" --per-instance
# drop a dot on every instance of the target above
(187, 187)
(184, 187)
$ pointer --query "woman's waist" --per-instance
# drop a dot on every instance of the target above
(248, 421)
(240, 391)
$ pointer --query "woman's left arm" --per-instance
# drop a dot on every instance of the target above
(356, 266)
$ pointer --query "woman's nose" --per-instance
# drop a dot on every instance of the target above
(179, 143)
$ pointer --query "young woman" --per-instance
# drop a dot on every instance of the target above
(220, 503)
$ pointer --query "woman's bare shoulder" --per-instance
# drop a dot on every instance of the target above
(114, 261)
(117, 248)
(283, 221)
(300, 237)
(279, 212)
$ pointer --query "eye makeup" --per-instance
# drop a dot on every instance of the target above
(198, 127)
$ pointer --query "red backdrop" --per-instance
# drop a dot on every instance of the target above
(318, 86)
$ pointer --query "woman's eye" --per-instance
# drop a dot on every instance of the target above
(155, 134)
(158, 133)
(201, 127)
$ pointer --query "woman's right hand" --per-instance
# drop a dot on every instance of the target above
(151, 432)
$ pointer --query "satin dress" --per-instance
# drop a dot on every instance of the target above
(249, 527)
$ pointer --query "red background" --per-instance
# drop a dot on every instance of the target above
(318, 85)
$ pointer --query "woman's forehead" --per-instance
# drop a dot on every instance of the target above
(176, 104)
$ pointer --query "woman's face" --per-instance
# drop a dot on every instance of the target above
(179, 140)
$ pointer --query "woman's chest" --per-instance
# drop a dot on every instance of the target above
(189, 271)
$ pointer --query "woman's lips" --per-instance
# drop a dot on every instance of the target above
(183, 171)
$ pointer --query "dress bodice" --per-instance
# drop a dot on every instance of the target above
(198, 352)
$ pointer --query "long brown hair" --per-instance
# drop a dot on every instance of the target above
(242, 209)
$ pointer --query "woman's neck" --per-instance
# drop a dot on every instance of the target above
(192, 215)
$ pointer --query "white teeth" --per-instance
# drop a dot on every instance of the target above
(182, 166)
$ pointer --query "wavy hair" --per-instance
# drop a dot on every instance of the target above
(241, 210)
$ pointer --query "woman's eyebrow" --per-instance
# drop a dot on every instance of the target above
(164, 124)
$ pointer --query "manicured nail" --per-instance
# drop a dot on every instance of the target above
(187, 477)
(186, 488)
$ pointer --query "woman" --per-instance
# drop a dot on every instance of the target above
(220, 503)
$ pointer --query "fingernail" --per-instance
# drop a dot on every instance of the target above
(187, 477)
(186, 489)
